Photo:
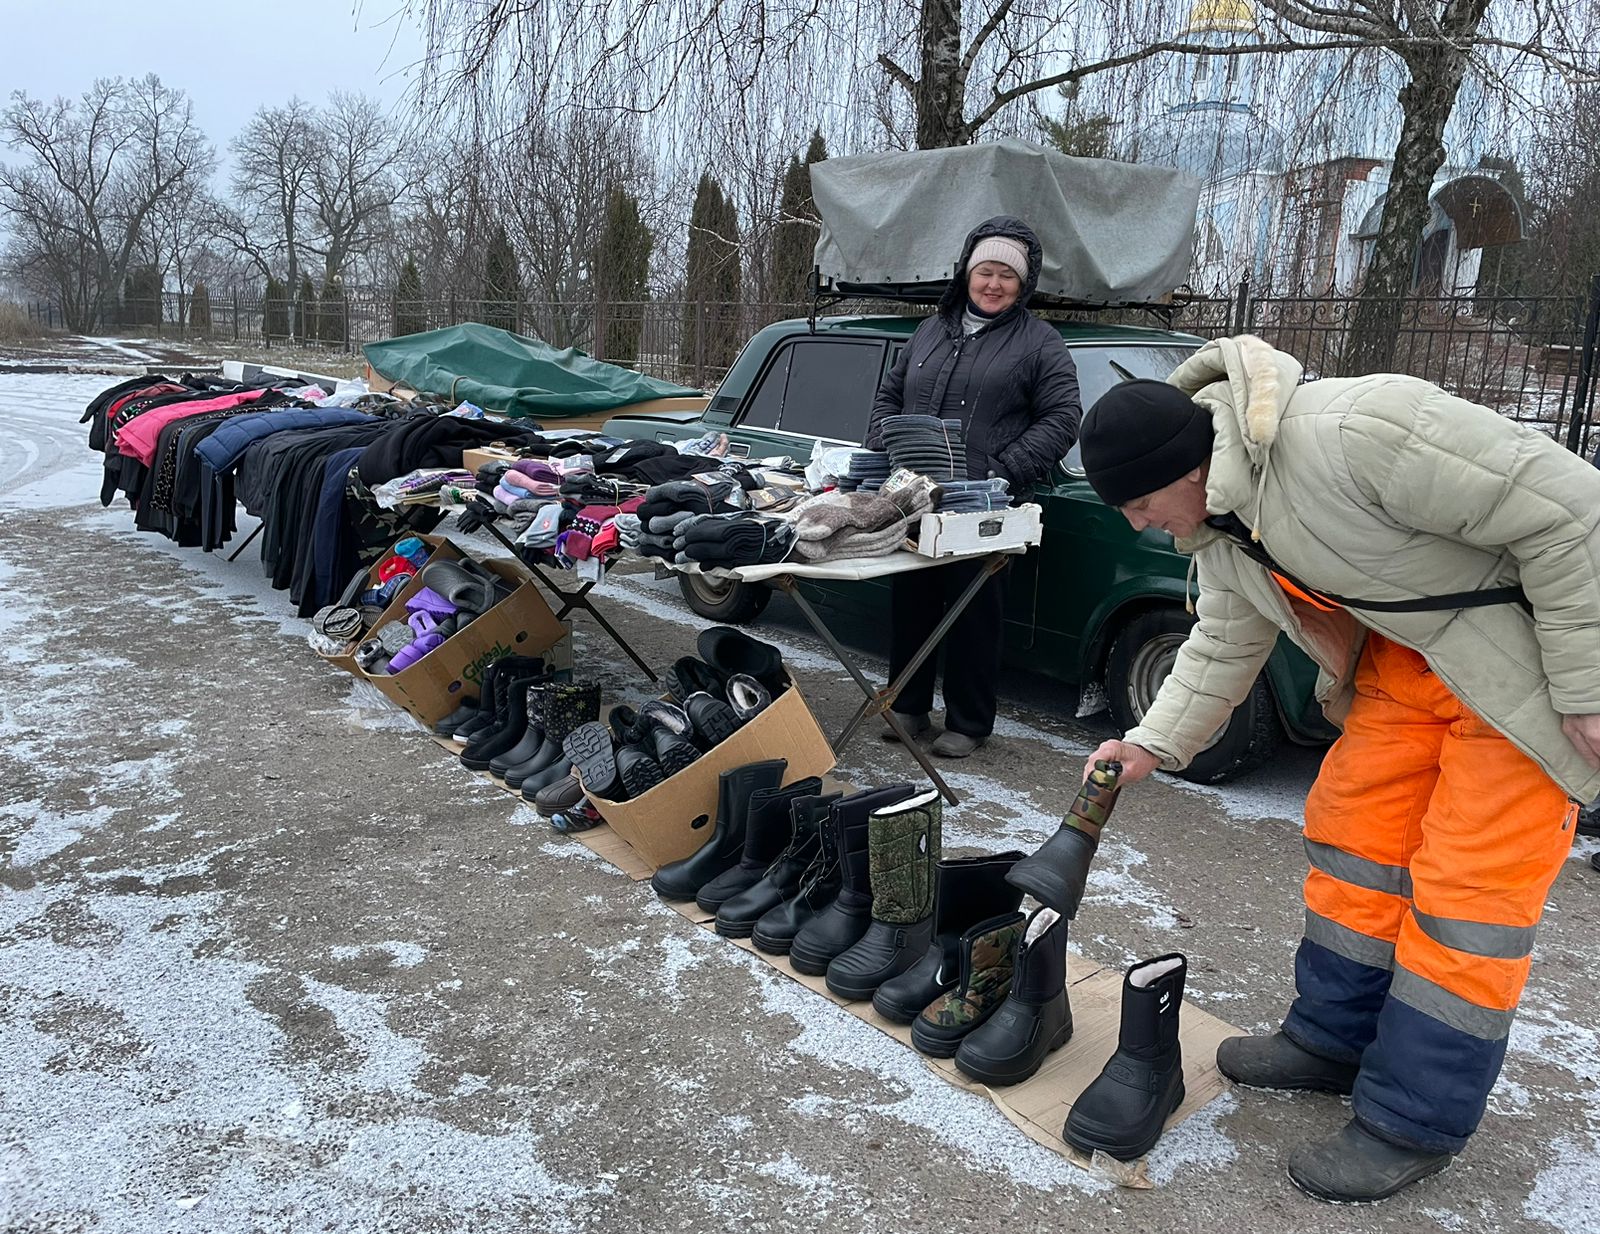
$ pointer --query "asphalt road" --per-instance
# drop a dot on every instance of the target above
(271, 960)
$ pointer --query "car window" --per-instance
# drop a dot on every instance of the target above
(818, 387)
(1100, 368)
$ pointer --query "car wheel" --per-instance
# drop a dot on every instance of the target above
(1143, 654)
(723, 600)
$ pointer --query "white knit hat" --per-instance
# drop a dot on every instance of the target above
(1002, 249)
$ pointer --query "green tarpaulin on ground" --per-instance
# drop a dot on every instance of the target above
(511, 374)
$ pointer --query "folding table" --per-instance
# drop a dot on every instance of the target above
(787, 577)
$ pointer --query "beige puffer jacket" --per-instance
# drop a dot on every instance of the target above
(1387, 488)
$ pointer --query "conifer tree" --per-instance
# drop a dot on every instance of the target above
(502, 284)
(410, 313)
(622, 271)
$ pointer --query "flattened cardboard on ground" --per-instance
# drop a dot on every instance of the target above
(521, 624)
(606, 843)
(674, 819)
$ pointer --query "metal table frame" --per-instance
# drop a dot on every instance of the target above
(880, 702)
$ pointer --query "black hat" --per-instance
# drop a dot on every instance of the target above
(1141, 436)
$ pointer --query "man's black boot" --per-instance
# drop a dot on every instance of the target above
(903, 847)
(1274, 1061)
(511, 717)
(1122, 1113)
(1357, 1167)
(682, 880)
(1036, 1017)
(533, 735)
(766, 833)
(966, 890)
(841, 924)
(800, 884)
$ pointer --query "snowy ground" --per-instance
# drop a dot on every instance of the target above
(270, 960)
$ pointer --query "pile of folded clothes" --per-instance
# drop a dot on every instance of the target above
(968, 496)
(927, 445)
(732, 540)
(667, 506)
(837, 525)
(868, 469)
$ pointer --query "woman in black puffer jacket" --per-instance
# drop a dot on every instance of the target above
(985, 360)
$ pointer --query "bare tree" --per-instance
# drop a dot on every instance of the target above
(353, 182)
(95, 170)
(273, 157)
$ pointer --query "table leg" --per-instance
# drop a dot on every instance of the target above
(234, 556)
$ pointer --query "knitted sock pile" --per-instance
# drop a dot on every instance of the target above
(926, 444)
(734, 540)
(838, 525)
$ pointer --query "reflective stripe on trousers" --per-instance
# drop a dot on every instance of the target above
(1432, 842)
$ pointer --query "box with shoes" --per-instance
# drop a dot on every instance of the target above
(430, 648)
(371, 593)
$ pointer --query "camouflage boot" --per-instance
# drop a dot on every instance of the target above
(1036, 1017)
(903, 845)
(988, 952)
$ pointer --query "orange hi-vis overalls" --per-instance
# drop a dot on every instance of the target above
(1433, 842)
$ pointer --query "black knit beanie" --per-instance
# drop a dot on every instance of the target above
(1141, 436)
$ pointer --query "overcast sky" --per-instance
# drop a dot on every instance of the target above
(230, 56)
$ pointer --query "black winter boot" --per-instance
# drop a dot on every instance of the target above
(965, 891)
(457, 719)
(511, 718)
(1358, 1167)
(799, 885)
(987, 953)
(532, 735)
(1122, 1113)
(564, 707)
(765, 834)
(841, 924)
(903, 846)
(487, 698)
(682, 880)
(1035, 1019)
(1274, 1061)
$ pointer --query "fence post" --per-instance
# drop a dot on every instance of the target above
(452, 306)
(700, 343)
(1577, 430)
(1241, 306)
(236, 314)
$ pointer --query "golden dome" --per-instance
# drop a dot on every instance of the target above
(1226, 16)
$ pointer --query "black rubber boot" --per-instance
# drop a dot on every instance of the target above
(1357, 1167)
(766, 833)
(840, 925)
(771, 913)
(457, 719)
(489, 698)
(1276, 1062)
(564, 707)
(554, 789)
(1035, 1019)
(965, 891)
(903, 847)
(533, 735)
(511, 718)
(682, 880)
(1122, 1113)
(987, 953)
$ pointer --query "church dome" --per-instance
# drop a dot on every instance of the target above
(1220, 17)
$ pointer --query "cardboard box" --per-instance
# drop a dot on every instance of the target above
(522, 624)
(945, 535)
(471, 460)
(674, 819)
(437, 545)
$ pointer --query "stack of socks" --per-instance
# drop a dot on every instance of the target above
(966, 496)
(733, 540)
(927, 445)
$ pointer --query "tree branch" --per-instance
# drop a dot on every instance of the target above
(898, 73)
(982, 37)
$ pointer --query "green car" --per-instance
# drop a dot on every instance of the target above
(1095, 603)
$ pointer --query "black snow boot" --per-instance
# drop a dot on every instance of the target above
(1357, 1167)
(682, 880)
(803, 895)
(841, 924)
(1036, 1017)
(532, 732)
(987, 954)
(1274, 1061)
(965, 891)
(1122, 1113)
(564, 707)
(766, 833)
(903, 848)
(511, 717)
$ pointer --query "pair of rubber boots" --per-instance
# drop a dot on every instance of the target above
(750, 800)
(1005, 1008)
(531, 717)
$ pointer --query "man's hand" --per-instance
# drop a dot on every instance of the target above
(1137, 762)
(1584, 734)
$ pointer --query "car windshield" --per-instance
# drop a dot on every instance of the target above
(1100, 368)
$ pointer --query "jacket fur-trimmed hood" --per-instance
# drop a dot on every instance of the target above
(1246, 384)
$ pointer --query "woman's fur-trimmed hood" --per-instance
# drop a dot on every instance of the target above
(1246, 384)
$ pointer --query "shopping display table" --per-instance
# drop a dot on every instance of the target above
(787, 577)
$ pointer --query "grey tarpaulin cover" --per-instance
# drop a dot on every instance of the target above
(1113, 233)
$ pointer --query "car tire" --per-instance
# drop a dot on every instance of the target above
(1140, 658)
(732, 604)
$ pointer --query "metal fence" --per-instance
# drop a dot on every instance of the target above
(1530, 358)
